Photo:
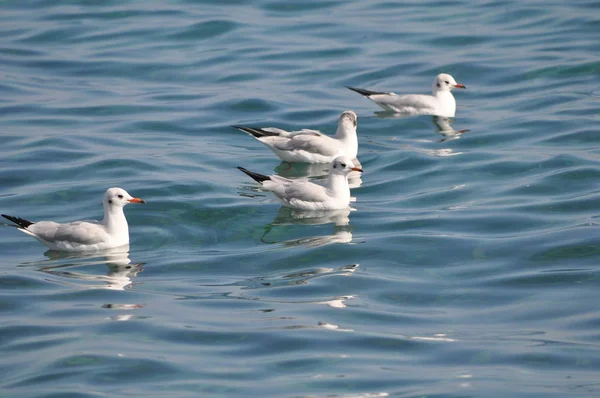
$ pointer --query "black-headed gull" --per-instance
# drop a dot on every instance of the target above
(305, 195)
(83, 236)
(310, 146)
(440, 103)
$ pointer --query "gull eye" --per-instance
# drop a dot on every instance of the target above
(120, 196)
(343, 164)
(446, 82)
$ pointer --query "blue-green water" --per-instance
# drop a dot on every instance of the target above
(469, 268)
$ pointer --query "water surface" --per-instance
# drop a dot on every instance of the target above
(469, 267)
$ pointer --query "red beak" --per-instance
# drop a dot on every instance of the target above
(357, 169)
(136, 200)
(458, 85)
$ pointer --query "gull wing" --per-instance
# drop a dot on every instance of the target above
(404, 102)
(311, 142)
(302, 190)
(76, 233)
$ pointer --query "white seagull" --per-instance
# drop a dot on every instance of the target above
(310, 146)
(305, 195)
(84, 236)
(440, 103)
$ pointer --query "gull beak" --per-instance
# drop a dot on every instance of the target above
(136, 200)
(458, 85)
(357, 169)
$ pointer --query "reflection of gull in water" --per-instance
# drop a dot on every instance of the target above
(351, 395)
(437, 337)
(444, 127)
(342, 232)
(298, 278)
(444, 152)
(122, 306)
(348, 269)
(288, 216)
(309, 274)
(340, 236)
(337, 302)
(331, 326)
(118, 277)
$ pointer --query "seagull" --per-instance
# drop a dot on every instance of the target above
(310, 146)
(440, 103)
(305, 195)
(84, 236)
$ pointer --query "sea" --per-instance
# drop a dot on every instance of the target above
(468, 265)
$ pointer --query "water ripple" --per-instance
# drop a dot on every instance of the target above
(468, 266)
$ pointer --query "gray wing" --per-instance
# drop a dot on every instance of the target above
(319, 144)
(315, 133)
(79, 232)
(279, 180)
(416, 101)
(305, 191)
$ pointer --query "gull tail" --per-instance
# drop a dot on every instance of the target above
(366, 93)
(255, 176)
(20, 223)
(256, 133)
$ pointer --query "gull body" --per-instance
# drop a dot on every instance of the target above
(305, 195)
(310, 146)
(441, 102)
(82, 236)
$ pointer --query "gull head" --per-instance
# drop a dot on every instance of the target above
(118, 198)
(445, 82)
(348, 119)
(343, 165)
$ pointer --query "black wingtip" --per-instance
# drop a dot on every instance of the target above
(257, 133)
(255, 176)
(364, 92)
(21, 223)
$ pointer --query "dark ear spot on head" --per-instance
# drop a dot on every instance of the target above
(335, 166)
(110, 201)
(438, 84)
